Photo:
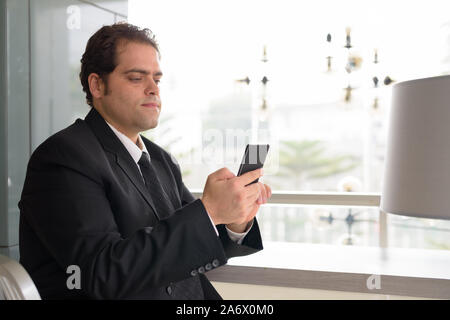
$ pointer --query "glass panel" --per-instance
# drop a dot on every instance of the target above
(334, 225)
(312, 79)
(59, 33)
(408, 232)
(262, 68)
(14, 119)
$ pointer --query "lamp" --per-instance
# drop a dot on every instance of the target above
(417, 169)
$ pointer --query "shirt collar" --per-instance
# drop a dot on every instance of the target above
(135, 150)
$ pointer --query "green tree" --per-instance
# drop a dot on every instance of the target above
(307, 159)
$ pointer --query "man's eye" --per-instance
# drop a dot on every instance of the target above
(135, 79)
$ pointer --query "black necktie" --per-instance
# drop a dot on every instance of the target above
(160, 199)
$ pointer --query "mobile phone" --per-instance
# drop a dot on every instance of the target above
(254, 157)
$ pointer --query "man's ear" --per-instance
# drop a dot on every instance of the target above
(96, 85)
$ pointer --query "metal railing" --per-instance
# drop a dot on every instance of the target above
(331, 199)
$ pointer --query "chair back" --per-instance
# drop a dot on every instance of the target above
(15, 282)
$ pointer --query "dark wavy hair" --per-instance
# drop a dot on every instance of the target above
(101, 51)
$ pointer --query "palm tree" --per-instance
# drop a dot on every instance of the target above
(305, 160)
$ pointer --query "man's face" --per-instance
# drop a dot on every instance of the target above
(131, 102)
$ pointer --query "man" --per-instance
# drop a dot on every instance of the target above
(103, 200)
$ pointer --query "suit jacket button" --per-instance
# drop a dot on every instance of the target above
(169, 290)
(201, 270)
(215, 263)
(208, 266)
(148, 230)
(194, 273)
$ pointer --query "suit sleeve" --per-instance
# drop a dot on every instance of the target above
(252, 242)
(65, 202)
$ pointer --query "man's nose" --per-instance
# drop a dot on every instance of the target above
(151, 88)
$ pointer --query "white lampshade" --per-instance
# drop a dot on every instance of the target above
(417, 169)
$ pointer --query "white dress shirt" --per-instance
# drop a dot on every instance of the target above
(136, 149)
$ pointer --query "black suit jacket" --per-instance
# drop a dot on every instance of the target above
(84, 203)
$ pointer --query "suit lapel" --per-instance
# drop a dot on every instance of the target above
(124, 160)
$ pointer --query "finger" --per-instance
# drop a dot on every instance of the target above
(268, 190)
(253, 211)
(250, 176)
(264, 194)
(252, 191)
(222, 174)
(250, 208)
(260, 198)
(257, 198)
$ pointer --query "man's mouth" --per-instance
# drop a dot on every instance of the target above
(150, 105)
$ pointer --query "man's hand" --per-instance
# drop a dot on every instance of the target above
(230, 201)
(266, 193)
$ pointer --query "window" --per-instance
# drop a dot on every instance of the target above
(258, 71)
(322, 136)
(59, 33)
